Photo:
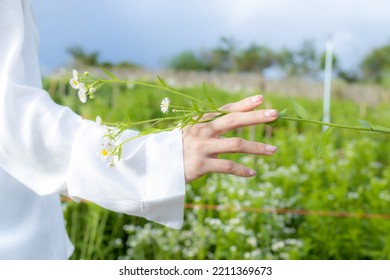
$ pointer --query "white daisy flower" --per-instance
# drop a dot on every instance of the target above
(74, 82)
(82, 96)
(106, 152)
(82, 93)
(165, 105)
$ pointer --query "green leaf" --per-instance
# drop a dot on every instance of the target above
(162, 82)
(282, 113)
(278, 119)
(194, 105)
(205, 90)
(119, 152)
(185, 122)
(365, 124)
(198, 118)
(325, 140)
(381, 128)
(299, 110)
(211, 103)
(112, 76)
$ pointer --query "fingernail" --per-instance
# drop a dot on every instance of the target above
(270, 113)
(257, 99)
(270, 148)
(252, 172)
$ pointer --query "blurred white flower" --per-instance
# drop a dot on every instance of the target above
(252, 241)
(82, 96)
(118, 242)
(74, 82)
(82, 93)
(107, 151)
(284, 255)
(165, 105)
(353, 195)
(277, 245)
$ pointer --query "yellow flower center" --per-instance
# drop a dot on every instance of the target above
(104, 152)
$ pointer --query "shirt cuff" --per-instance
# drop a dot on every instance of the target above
(164, 196)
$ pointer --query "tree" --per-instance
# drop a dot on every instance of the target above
(285, 60)
(335, 62)
(81, 58)
(188, 60)
(376, 65)
(254, 58)
(350, 76)
(306, 59)
(222, 57)
(300, 62)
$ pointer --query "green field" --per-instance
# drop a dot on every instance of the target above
(305, 203)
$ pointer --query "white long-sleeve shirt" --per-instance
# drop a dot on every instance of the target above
(46, 149)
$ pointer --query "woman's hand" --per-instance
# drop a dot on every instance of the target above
(202, 142)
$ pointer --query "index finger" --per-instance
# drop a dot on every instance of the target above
(243, 105)
(240, 119)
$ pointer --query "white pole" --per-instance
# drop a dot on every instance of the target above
(327, 83)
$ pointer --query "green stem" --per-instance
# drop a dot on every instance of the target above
(220, 114)
(141, 135)
(146, 121)
(336, 125)
(188, 113)
(158, 87)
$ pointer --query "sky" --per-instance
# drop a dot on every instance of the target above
(151, 32)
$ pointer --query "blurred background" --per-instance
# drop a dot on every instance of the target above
(308, 201)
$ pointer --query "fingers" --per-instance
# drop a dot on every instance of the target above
(241, 119)
(202, 143)
(238, 145)
(213, 165)
(244, 105)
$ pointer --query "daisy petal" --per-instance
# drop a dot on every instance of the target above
(164, 106)
(74, 83)
(82, 96)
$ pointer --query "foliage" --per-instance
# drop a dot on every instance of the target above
(301, 62)
(376, 65)
(222, 57)
(217, 59)
(188, 60)
(81, 58)
(335, 62)
(255, 58)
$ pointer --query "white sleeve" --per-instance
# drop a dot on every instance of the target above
(51, 149)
